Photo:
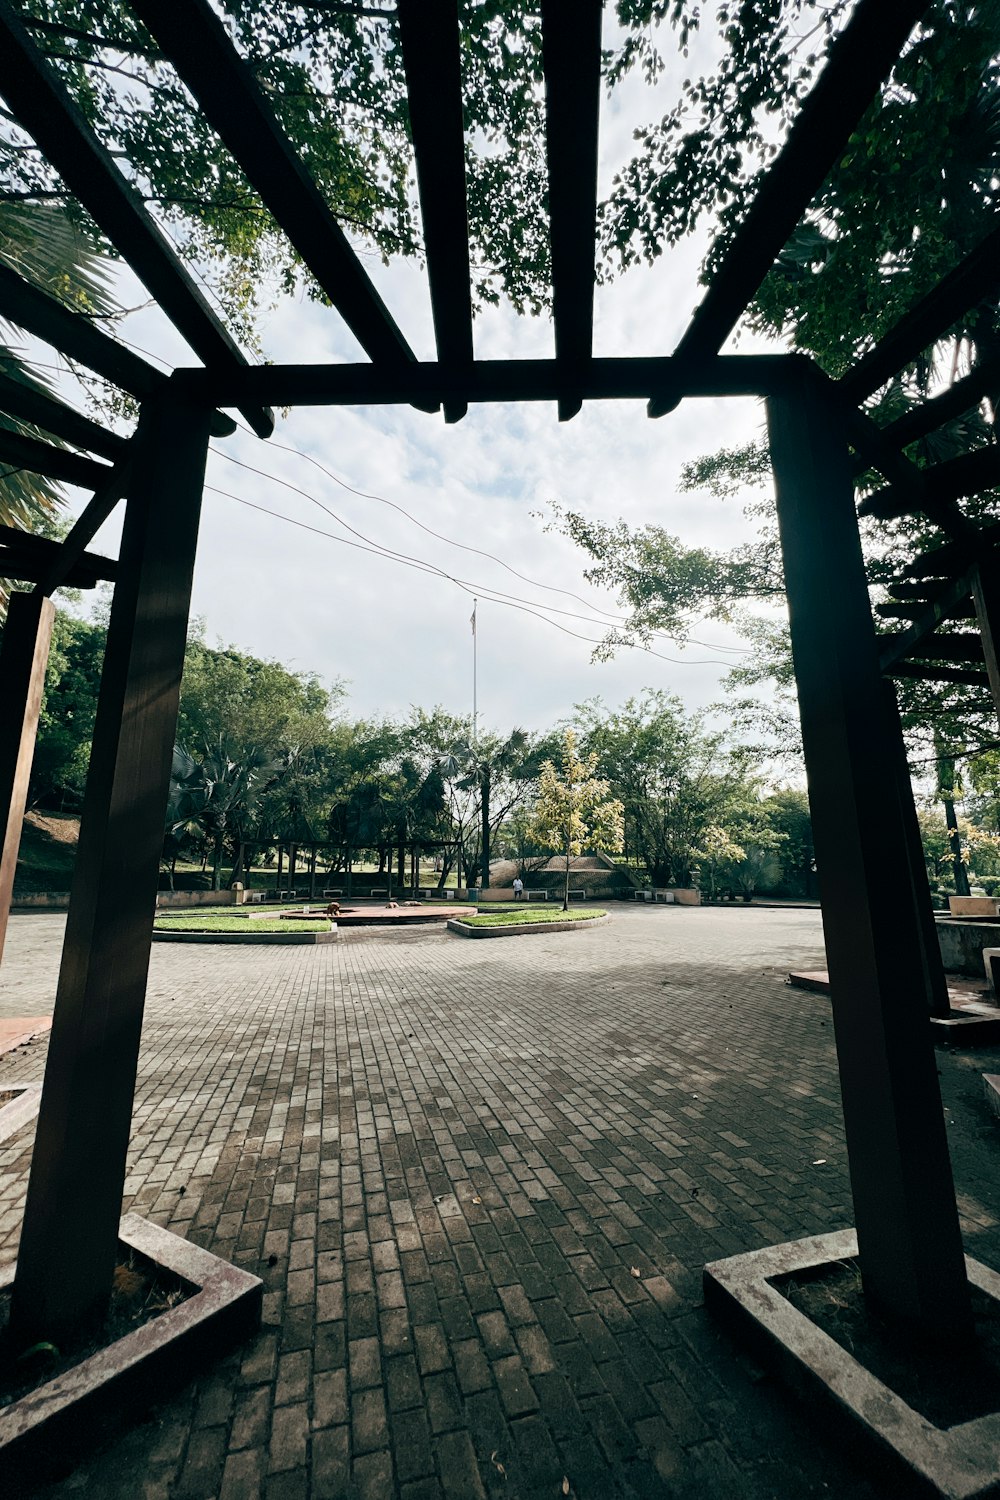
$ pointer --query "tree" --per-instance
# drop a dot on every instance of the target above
(573, 809)
(334, 75)
(41, 242)
(674, 778)
(925, 154)
(787, 813)
(66, 721)
(501, 770)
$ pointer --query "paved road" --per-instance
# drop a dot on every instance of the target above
(455, 1153)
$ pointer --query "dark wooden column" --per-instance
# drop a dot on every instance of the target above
(24, 654)
(68, 1243)
(986, 594)
(935, 984)
(912, 1263)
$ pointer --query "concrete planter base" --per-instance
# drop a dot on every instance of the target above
(523, 929)
(245, 937)
(17, 1112)
(47, 1429)
(956, 1463)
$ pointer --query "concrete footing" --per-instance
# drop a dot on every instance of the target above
(45, 1431)
(955, 1463)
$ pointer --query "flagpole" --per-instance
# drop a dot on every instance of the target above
(475, 673)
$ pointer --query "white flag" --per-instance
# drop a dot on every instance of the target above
(472, 619)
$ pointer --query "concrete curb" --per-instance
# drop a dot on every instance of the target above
(47, 1428)
(957, 1463)
(19, 1111)
(525, 929)
(194, 936)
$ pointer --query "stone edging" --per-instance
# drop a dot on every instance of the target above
(48, 1428)
(961, 1462)
(194, 936)
(524, 929)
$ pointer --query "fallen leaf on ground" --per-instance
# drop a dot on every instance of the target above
(636, 1273)
(565, 1485)
(821, 1162)
(497, 1464)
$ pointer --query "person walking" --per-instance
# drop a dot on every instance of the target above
(518, 887)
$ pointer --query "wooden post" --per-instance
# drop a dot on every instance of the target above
(24, 654)
(986, 594)
(69, 1238)
(935, 984)
(910, 1248)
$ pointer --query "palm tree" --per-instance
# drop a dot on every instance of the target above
(480, 766)
(41, 243)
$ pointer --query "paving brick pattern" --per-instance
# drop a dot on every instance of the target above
(480, 1182)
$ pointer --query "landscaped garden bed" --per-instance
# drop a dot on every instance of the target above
(518, 920)
(227, 924)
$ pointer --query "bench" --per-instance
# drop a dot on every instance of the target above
(578, 895)
(536, 895)
(334, 890)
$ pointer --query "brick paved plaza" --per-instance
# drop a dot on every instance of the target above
(445, 1159)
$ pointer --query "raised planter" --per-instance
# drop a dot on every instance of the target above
(161, 935)
(961, 1462)
(46, 1429)
(522, 929)
(19, 1110)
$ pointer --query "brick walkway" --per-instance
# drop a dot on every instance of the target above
(445, 1159)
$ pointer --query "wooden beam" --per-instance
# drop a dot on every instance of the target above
(571, 59)
(986, 597)
(70, 1231)
(925, 672)
(935, 986)
(37, 97)
(910, 1246)
(944, 407)
(500, 380)
(961, 610)
(43, 553)
(42, 410)
(973, 278)
(79, 339)
(965, 475)
(862, 56)
(24, 654)
(84, 528)
(55, 463)
(28, 567)
(429, 31)
(75, 336)
(908, 482)
(198, 45)
(963, 647)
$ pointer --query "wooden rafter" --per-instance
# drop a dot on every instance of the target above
(429, 30)
(41, 104)
(571, 56)
(199, 47)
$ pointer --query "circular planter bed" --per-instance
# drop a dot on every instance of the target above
(524, 923)
(229, 925)
(191, 935)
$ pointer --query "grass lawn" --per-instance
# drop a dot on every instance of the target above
(221, 919)
(512, 915)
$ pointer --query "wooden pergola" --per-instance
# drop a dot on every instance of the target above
(883, 959)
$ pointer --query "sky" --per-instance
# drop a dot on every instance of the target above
(398, 636)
